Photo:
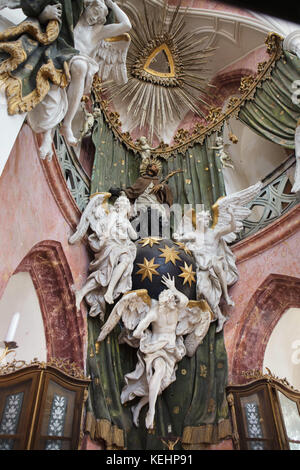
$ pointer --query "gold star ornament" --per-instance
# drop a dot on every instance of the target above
(187, 274)
(183, 247)
(170, 254)
(148, 269)
(150, 241)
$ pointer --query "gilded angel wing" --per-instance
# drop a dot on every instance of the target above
(237, 202)
(111, 57)
(131, 308)
(194, 322)
(96, 211)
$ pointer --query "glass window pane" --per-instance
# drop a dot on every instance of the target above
(257, 445)
(58, 412)
(294, 446)
(252, 417)
(57, 445)
(7, 444)
(290, 416)
(11, 413)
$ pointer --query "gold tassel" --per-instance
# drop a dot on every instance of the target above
(233, 138)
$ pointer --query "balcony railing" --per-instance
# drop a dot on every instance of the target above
(274, 200)
(77, 180)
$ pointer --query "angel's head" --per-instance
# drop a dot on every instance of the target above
(203, 218)
(122, 205)
(219, 140)
(166, 297)
(95, 11)
(143, 140)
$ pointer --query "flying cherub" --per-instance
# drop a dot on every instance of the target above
(222, 152)
(111, 240)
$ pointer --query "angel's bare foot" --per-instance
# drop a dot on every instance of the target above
(221, 321)
(78, 299)
(135, 415)
(67, 132)
(229, 301)
(45, 149)
(109, 298)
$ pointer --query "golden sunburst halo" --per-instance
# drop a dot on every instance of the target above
(167, 69)
(150, 241)
(170, 254)
(187, 274)
(148, 269)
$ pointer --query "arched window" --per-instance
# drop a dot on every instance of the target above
(20, 296)
(282, 354)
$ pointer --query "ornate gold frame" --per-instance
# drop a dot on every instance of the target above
(272, 384)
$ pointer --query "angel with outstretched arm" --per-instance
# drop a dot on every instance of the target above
(216, 267)
(114, 252)
(75, 47)
(156, 328)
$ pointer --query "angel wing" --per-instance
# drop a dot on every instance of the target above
(194, 321)
(111, 57)
(237, 202)
(131, 308)
(96, 211)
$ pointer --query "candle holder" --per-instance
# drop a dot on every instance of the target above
(9, 347)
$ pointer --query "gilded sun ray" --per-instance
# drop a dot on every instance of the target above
(170, 254)
(150, 241)
(148, 269)
(167, 69)
(183, 247)
(187, 274)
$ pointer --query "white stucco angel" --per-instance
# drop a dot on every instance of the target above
(113, 248)
(89, 121)
(296, 186)
(164, 331)
(216, 267)
(102, 50)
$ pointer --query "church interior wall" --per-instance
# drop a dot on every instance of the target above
(31, 217)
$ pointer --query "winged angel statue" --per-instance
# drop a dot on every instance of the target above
(113, 248)
(164, 331)
(215, 262)
(65, 43)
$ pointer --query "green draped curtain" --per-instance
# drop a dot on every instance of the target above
(194, 408)
(272, 113)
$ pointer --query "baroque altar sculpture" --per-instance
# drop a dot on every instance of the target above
(148, 193)
(113, 248)
(222, 153)
(60, 48)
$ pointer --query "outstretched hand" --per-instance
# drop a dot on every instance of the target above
(169, 282)
(109, 3)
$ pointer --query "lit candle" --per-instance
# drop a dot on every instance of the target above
(12, 328)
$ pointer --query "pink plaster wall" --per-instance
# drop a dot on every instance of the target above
(280, 257)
